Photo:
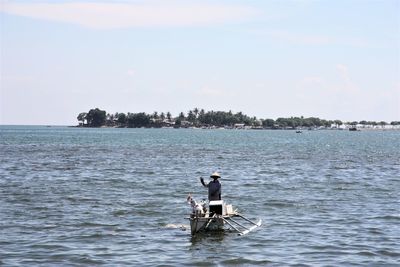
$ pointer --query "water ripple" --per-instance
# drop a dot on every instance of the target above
(118, 197)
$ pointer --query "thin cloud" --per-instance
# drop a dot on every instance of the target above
(341, 81)
(346, 82)
(309, 39)
(137, 14)
(313, 80)
(207, 91)
(302, 38)
(215, 92)
(344, 72)
(131, 72)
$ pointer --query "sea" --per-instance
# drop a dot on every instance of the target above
(117, 197)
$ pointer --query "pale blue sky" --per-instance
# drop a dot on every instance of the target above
(270, 59)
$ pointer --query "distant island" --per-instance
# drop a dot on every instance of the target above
(199, 118)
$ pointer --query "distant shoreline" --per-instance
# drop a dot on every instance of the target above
(201, 119)
(246, 128)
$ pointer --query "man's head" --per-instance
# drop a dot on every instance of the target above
(215, 175)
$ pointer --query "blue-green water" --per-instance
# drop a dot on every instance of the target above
(72, 196)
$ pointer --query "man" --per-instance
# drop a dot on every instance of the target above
(214, 187)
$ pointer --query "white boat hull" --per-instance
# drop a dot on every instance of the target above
(198, 224)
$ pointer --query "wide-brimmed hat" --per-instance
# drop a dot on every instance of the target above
(215, 175)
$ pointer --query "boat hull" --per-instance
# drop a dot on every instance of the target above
(198, 224)
(219, 216)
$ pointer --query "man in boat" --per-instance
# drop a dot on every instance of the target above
(214, 187)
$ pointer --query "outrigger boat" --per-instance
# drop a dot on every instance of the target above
(219, 216)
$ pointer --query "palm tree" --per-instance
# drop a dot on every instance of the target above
(169, 116)
(110, 119)
(82, 117)
(196, 111)
(191, 117)
(155, 115)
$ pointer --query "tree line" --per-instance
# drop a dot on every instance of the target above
(201, 118)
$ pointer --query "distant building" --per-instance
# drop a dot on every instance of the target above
(239, 126)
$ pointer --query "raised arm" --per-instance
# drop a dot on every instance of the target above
(202, 182)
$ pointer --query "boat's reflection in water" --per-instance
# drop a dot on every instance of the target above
(209, 236)
(206, 247)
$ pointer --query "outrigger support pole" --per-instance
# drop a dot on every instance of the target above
(231, 225)
(209, 220)
(241, 225)
(250, 229)
(247, 219)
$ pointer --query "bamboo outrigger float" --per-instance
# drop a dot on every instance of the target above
(219, 216)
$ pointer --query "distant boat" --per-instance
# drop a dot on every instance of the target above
(353, 129)
(298, 131)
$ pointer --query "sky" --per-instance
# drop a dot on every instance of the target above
(269, 59)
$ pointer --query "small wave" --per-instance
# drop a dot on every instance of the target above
(90, 224)
(280, 204)
(120, 212)
(389, 253)
(93, 236)
(86, 260)
(244, 261)
(394, 217)
(335, 250)
(176, 226)
(80, 199)
(367, 253)
(143, 172)
(52, 247)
